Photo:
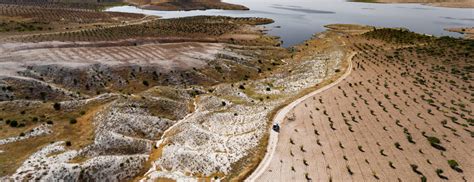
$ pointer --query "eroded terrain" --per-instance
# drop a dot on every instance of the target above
(146, 98)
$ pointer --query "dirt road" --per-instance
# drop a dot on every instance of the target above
(280, 116)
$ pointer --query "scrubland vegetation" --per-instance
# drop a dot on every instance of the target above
(89, 95)
(204, 28)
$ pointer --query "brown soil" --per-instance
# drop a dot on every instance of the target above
(79, 134)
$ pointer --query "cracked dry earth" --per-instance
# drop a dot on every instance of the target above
(183, 123)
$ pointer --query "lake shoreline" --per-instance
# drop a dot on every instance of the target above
(461, 4)
(301, 17)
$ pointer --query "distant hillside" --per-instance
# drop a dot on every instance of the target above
(96, 5)
(163, 5)
(172, 5)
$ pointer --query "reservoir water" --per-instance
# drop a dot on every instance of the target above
(298, 20)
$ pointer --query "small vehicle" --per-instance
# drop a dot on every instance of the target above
(276, 128)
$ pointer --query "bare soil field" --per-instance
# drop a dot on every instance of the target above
(404, 112)
(440, 3)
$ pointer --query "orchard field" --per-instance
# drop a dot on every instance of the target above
(404, 112)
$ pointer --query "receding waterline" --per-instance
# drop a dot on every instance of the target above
(298, 20)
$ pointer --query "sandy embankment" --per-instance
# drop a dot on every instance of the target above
(468, 32)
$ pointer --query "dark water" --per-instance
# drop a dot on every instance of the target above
(298, 20)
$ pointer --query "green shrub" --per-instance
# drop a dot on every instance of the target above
(423, 179)
(434, 140)
(57, 106)
(439, 172)
(349, 170)
(414, 168)
(73, 121)
(455, 165)
(398, 146)
(390, 163)
(435, 143)
(13, 123)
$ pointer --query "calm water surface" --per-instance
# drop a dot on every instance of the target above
(298, 20)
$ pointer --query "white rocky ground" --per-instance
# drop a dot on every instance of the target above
(213, 138)
(42, 129)
(118, 152)
(51, 163)
(207, 141)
